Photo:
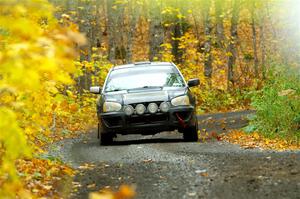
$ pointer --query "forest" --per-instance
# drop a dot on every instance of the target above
(246, 54)
(230, 45)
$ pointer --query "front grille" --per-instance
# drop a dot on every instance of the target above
(148, 119)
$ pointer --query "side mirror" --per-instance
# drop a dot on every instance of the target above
(95, 89)
(193, 82)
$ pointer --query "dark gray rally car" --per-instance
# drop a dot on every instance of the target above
(146, 98)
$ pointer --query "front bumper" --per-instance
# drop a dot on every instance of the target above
(119, 123)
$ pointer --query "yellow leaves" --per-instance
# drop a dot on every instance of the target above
(11, 135)
(42, 176)
(8, 96)
(125, 192)
(218, 62)
(180, 16)
(66, 16)
(255, 140)
(36, 62)
(73, 108)
(287, 92)
(51, 87)
(70, 94)
(255, 135)
(228, 54)
(77, 37)
(20, 10)
(120, 2)
(166, 45)
(94, 49)
(167, 52)
(86, 166)
(169, 11)
(88, 65)
(222, 72)
(91, 186)
(67, 170)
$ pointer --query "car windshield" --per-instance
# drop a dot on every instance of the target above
(144, 77)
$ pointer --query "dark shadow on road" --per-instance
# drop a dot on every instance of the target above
(148, 141)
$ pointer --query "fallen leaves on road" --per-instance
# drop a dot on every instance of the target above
(147, 160)
(204, 135)
(86, 166)
(91, 186)
(125, 192)
(202, 172)
(255, 140)
(43, 177)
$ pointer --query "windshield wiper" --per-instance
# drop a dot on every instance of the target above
(161, 87)
(114, 90)
(150, 87)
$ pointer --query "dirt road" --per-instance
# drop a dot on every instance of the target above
(163, 166)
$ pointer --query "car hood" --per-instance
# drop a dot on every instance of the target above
(144, 95)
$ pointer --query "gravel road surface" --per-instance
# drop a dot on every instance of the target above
(163, 166)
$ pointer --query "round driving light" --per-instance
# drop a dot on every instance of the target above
(164, 107)
(152, 108)
(128, 110)
(140, 109)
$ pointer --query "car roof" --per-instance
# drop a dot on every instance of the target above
(142, 64)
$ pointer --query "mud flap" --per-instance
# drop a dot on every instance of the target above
(98, 131)
(181, 121)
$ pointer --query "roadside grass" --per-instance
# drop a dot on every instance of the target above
(277, 106)
(212, 100)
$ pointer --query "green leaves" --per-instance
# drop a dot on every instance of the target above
(278, 106)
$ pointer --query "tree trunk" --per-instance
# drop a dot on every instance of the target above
(96, 29)
(207, 44)
(111, 31)
(219, 23)
(254, 43)
(177, 33)
(134, 13)
(262, 43)
(232, 52)
(156, 31)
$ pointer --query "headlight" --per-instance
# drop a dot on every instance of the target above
(179, 101)
(111, 106)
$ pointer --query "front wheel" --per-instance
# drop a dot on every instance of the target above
(190, 134)
(106, 139)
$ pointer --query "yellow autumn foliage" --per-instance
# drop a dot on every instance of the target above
(256, 140)
(36, 64)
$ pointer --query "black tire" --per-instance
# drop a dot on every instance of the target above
(98, 131)
(190, 134)
(106, 139)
